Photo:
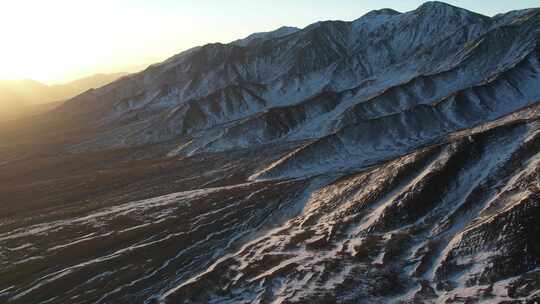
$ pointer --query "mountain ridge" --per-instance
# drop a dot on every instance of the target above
(238, 52)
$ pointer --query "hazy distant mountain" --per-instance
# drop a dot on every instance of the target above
(78, 86)
(391, 159)
(23, 92)
(32, 92)
(18, 97)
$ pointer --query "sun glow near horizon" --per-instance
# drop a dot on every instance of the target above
(57, 41)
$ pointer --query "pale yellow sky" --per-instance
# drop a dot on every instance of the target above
(59, 40)
(55, 41)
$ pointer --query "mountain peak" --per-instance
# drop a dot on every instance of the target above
(444, 10)
(382, 12)
(375, 17)
(286, 29)
(280, 32)
(440, 7)
(436, 4)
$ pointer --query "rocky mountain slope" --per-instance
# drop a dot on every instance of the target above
(392, 159)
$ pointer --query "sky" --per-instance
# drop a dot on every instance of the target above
(56, 41)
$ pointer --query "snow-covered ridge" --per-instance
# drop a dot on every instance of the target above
(280, 32)
(202, 97)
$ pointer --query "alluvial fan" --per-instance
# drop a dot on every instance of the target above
(392, 159)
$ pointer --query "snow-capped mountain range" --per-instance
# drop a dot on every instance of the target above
(307, 84)
(391, 159)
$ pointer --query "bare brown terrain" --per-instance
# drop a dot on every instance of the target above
(38, 176)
